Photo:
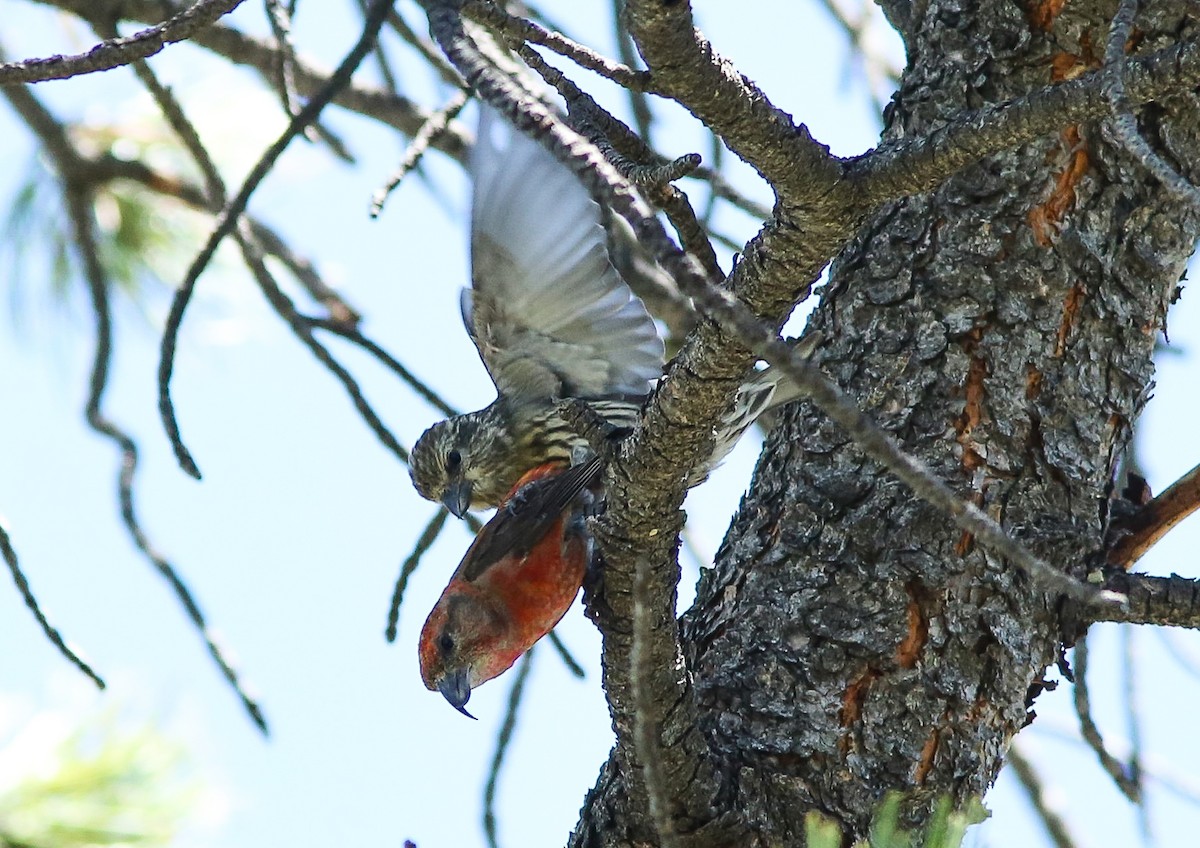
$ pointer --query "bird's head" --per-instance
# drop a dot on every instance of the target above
(466, 641)
(466, 462)
(444, 464)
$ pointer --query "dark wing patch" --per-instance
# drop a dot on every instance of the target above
(525, 518)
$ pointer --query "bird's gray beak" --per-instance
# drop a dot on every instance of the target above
(456, 688)
(458, 497)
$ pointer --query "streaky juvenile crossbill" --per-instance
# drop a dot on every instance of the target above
(552, 319)
(515, 583)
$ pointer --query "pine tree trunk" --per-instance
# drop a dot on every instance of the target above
(850, 640)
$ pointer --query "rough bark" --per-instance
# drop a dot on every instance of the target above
(848, 641)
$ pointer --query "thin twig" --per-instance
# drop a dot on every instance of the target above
(1172, 601)
(565, 655)
(1181, 784)
(521, 30)
(228, 220)
(120, 51)
(14, 568)
(425, 49)
(413, 382)
(1091, 734)
(78, 198)
(911, 166)
(281, 26)
(1055, 825)
(80, 210)
(1184, 657)
(430, 130)
(636, 161)
(381, 57)
(1133, 726)
(301, 328)
(1123, 121)
(502, 741)
(424, 543)
(638, 103)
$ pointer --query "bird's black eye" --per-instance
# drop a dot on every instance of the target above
(445, 643)
(453, 461)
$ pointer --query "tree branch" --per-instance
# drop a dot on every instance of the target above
(1123, 121)
(384, 106)
(78, 192)
(120, 51)
(1166, 601)
(1121, 774)
(9, 554)
(915, 166)
(227, 221)
(521, 30)
(685, 67)
(1151, 522)
(1053, 823)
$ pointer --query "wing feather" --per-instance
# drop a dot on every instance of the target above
(549, 314)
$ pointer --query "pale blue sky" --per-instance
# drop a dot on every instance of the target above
(294, 538)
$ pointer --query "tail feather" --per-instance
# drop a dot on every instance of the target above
(767, 390)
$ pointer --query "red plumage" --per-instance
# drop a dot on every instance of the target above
(516, 581)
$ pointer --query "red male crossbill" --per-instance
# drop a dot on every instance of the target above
(552, 319)
(518, 578)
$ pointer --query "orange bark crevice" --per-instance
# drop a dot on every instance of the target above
(1046, 218)
(974, 394)
(856, 694)
(908, 652)
(928, 752)
(1033, 382)
(1074, 299)
(1042, 13)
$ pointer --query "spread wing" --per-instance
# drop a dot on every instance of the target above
(522, 520)
(546, 309)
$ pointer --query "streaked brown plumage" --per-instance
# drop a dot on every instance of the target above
(551, 319)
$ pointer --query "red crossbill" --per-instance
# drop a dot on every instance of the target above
(518, 578)
(552, 319)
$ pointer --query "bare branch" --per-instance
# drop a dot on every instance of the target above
(300, 326)
(521, 30)
(630, 155)
(1117, 770)
(1166, 601)
(685, 67)
(424, 543)
(120, 51)
(227, 221)
(1133, 725)
(1053, 823)
(14, 568)
(566, 656)
(503, 738)
(1154, 520)
(382, 105)
(425, 48)
(1123, 121)
(914, 166)
(415, 383)
(430, 130)
(639, 104)
(78, 196)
